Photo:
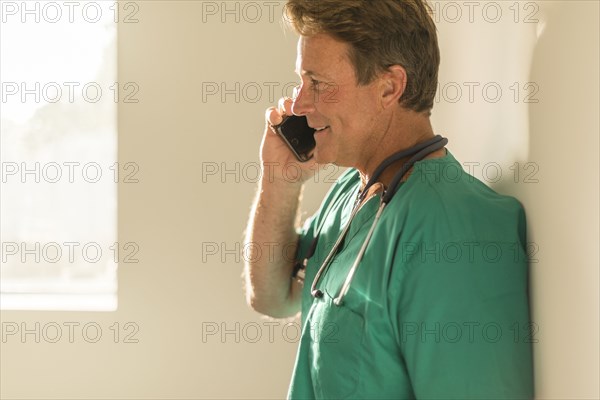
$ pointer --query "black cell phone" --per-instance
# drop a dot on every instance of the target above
(294, 130)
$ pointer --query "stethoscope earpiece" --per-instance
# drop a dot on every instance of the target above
(317, 293)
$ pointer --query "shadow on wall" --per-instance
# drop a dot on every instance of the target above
(562, 207)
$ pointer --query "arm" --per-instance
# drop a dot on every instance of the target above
(271, 229)
(270, 288)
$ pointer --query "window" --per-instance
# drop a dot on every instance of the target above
(58, 151)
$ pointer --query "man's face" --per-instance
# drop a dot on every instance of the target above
(330, 98)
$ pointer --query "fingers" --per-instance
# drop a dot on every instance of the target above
(285, 105)
(274, 115)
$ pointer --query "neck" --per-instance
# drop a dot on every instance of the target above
(413, 129)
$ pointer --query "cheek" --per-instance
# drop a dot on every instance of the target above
(351, 111)
(356, 117)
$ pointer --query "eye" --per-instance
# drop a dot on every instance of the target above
(315, 83)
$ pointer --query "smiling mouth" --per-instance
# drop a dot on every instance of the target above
(321, 129)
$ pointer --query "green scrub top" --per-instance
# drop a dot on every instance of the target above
(438, 307)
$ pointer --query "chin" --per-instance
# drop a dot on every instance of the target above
(322, 157)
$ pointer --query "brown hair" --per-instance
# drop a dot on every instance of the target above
(380, 33)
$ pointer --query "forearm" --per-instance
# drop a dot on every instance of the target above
(271, 240)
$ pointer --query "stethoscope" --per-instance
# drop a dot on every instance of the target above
(416, 153)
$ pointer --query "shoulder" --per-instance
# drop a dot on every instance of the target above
(345, 184)
(442, 197)
(347, 180)
(340, 190)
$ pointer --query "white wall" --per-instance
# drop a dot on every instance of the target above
(173, 295)
(563, 207)
(554, 142)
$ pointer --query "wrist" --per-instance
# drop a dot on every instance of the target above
(289, 176)
(281, 185)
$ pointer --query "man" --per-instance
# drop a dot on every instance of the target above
(437, 305)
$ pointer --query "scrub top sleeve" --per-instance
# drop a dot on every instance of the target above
(306, 235)
(460, 314)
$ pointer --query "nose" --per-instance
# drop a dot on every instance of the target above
(303, 103)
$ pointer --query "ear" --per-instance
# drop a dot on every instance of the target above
(393, 84)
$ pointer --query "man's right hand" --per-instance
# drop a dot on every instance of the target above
(278, 162)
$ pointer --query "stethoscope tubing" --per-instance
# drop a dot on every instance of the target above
(313, 290)
(346, 286)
